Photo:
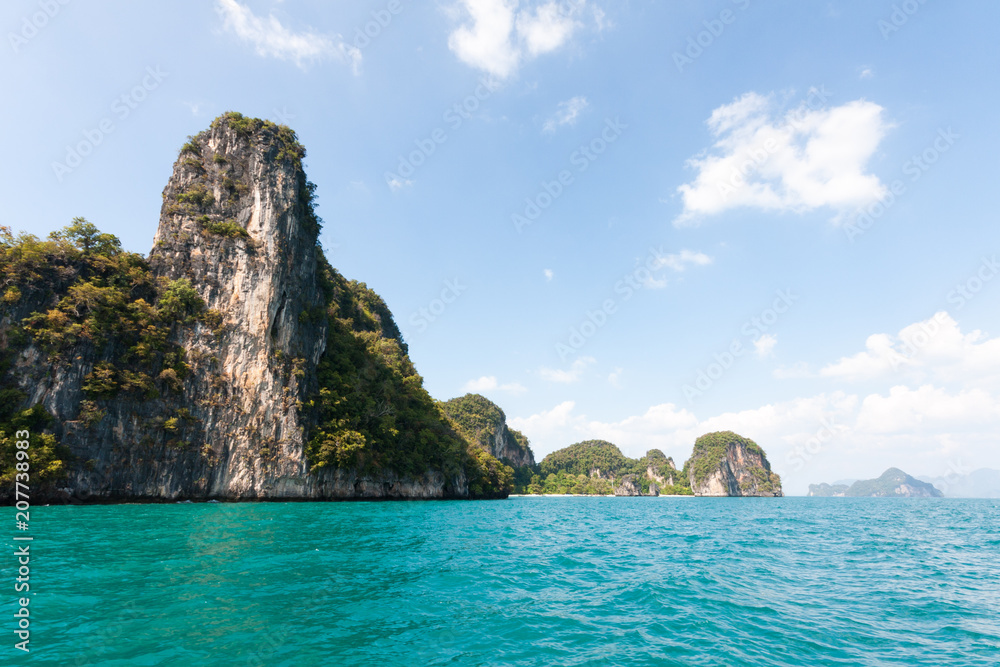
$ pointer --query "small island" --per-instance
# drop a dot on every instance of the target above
(721, 464)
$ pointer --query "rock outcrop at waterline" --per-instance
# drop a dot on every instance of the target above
(727, 464)
(233, 363)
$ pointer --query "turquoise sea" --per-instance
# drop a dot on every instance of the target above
(527, 581)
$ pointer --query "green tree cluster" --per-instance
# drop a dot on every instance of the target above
(477, 419)
(78, 294)
(589, 467)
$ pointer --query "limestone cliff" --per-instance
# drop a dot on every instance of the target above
(726, 464)
(233, 363)
(484, 423)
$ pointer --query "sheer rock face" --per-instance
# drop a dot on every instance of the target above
(486, 424)
(629, 486)
(506, 448)
(244, 379)
(742, 472)
(237, 223)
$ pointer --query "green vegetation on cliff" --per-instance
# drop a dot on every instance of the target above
(78, 295)
(711, 449)
(372, 410)
(595, 467)
(482, 422)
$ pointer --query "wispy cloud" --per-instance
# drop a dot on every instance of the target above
(799, 161)
(490, 383)
(271, 39)
(764, 346)
(549, 274)
(396, 184)
(683, 259)
(566, 113)
(570, 376)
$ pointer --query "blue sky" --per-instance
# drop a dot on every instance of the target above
(581, 209)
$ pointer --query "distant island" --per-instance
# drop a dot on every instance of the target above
(721, 464)
(893, 483)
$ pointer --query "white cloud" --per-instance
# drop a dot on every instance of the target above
(273, 40)
(396, 184)
(499, 34)
(551, 425)
(549, 275)
(866, 73)
(615, 377)
(927, 408)
(685, 258)
(566, 113)
(934, 349)
(764, 346)
(490, 383)
(800, 161)
(570, 376)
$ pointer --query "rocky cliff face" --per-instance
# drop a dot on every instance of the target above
(726, 464)
(195, 375)
(484, 423)
(630, 485)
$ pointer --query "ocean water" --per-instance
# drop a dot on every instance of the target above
(527, 581)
